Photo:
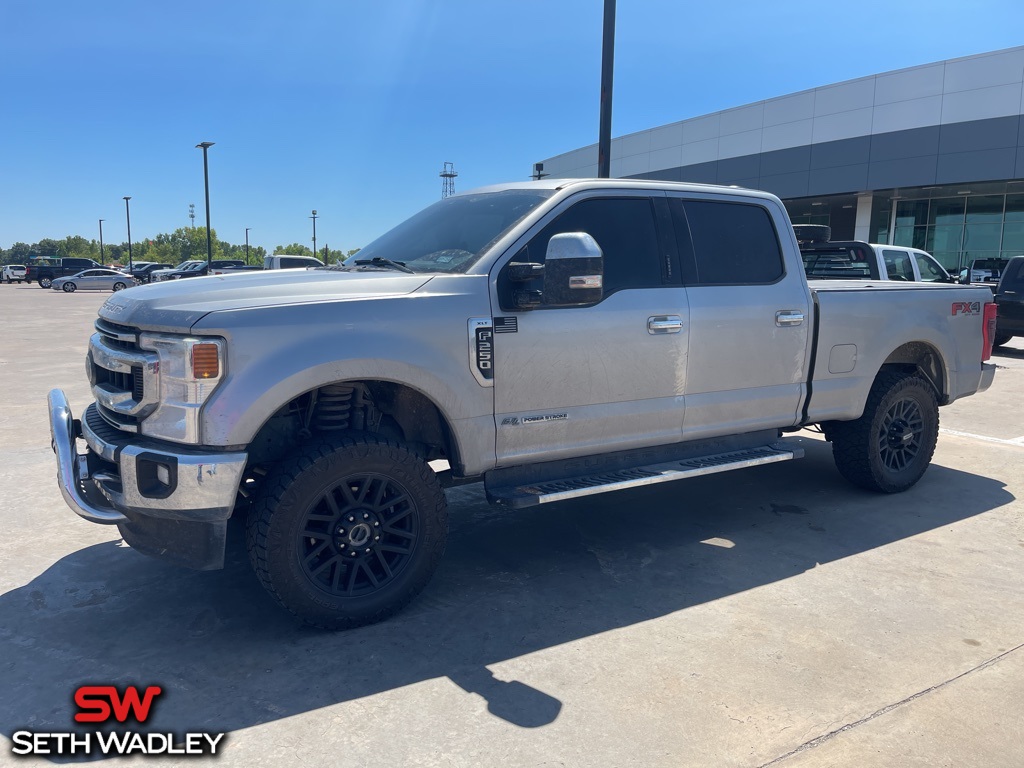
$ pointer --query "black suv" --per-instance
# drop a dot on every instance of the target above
(1010, 300)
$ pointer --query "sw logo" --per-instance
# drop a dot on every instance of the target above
(106, 704)
(98, 702)
(966, 307)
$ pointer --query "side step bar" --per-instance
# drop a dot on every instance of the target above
(617, 480)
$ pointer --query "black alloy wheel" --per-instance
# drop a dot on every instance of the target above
(358, 536)
(899, 434)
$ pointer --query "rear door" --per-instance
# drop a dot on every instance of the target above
(898, 265)
(1010, 298)
(749, 318)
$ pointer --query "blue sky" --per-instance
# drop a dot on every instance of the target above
(351, 108)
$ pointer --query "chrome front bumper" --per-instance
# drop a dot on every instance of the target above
(117, 482)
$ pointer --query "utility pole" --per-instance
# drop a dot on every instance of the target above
(102, 259)
(247, 244)
(206, 181)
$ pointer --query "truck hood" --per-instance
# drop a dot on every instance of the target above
(178, 305)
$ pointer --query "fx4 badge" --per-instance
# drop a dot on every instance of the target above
(966, 307)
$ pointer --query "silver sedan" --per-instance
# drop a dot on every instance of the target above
(93, 280)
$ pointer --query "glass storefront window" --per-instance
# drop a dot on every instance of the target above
(1014, 208)
(911, 212)
(947, 210)
(949, 259)
(985, 209)
(944, 238)
(982, 237)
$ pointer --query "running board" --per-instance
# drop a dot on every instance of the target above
(617, 480)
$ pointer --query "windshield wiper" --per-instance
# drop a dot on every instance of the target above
(379, 261)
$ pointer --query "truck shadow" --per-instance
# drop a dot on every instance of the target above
(510, 584)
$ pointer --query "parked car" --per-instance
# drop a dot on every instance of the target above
(552, 339)
(13, 273)
(1010, 300)
(93, 280)
(143, 274)
(854, 259)
(45, 271)
(197, 269)
(279, 261)
(983, 271)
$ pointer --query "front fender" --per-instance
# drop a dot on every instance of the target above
(276, 354)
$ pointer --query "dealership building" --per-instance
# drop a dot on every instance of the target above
(930, 157)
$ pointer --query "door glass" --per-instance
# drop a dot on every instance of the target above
(733, 243)
(624, 229)
(897, 265)
(930, 271)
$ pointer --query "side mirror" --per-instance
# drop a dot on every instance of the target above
(573, 271)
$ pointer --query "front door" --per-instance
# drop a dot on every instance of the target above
(574, 381)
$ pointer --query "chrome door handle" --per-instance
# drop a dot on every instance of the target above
(785, 317)
(664, 324)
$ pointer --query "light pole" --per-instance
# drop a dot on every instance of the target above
(314, 217)
(247, 244)
(128, 218)
(604, 141)
(102, 259)
(206, 181)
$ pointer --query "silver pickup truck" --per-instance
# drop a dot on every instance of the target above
(553, 339)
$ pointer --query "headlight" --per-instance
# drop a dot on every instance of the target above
(189, 370)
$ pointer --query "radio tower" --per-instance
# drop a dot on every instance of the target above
(192, 214)
(448, 180)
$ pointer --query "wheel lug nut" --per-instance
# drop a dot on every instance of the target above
(351, 519)
(341, 530)
(365, 516)
(376, 524)
(367, 550)
(376, 538)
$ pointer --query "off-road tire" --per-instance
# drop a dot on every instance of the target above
(812, 233)
(45, 282)
(1002, 338)
(294, 498)
(872, 451)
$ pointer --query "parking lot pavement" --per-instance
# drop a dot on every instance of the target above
(773, 616)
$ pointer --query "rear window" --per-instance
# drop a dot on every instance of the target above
(840, 262)
(733, 243)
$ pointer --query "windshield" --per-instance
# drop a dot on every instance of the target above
(452, 234)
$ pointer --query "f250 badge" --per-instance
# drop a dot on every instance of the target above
(485, 352)
(966, 307)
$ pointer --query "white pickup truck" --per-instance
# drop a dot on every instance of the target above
(553, 339)
(13, 273)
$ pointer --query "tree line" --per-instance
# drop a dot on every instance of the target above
(182, 244)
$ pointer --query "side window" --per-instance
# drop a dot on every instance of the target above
(897, 265)
(625, 230)
(294, 263)
(931, 271)
(733, 244)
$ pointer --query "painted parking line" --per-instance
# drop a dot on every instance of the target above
(1017, 441)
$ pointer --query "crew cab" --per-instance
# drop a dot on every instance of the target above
(45, 271)
(552, 339)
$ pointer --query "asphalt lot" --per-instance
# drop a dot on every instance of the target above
(773, 616)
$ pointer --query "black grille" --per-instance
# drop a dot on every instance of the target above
(123, 382)
(118, 336)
